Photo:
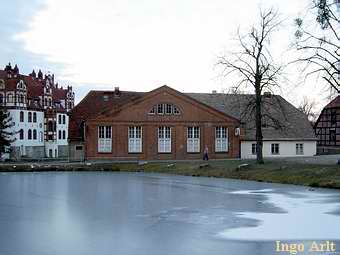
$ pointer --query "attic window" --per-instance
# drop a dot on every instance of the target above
(164, 109)
(106, 98)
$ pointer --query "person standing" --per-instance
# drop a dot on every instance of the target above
(205, 153)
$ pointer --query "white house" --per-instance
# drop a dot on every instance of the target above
(39, 110)
(286, 130)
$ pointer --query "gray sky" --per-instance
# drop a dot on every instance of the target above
(138, 44)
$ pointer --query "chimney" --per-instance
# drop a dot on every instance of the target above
(117, 92)
(33, 74)
(40, 75)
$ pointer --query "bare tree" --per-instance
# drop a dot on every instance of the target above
(255, 66)
(308, 108)
(318, 41)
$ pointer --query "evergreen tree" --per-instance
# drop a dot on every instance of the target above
(5, 133)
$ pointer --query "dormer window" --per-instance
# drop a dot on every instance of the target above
(164, 109)
(21, 85)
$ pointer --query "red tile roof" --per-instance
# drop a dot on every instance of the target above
(94, 103)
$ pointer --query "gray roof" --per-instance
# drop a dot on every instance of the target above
(283, 121)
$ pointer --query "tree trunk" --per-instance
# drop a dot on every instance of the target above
(258, 123)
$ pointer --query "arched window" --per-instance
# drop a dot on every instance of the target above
(29, 136)
(165, 109)
(21, 116)
(59, 135)
(59, 119)
(64, 119)
(64, 134)
(21, 134)
(34, 117)
(29, 117)
(34, 134)
(1, 98)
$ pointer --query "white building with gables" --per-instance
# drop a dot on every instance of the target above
(39, 109)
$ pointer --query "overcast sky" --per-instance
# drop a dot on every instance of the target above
(137, 44)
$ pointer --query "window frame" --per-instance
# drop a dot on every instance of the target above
(275, 149)
(104, 135)
(193, 139)
(22, 116)
(221, 139)
(164, 139)
(135, 139)
(299, 149)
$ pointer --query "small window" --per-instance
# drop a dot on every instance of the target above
(165, 109)
(29, 117)
(168, 109)
(176, 111)
(29, 137)
(9, 98)
(153, 110)
(254, 149)
(59, 119)
(79, 148)
(160, 109)
(21, 116)
(59, 134)
(275, 148)
(34, 117)
(105, 98)
(64, 134)
(64, 119)
(1, 98)
(34, 134)
(299, 149)
(21, 134)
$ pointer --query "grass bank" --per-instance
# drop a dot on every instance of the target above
(327, 176)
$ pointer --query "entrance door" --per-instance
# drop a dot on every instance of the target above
(50, 153)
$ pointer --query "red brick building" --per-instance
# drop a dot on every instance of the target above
(162, 124)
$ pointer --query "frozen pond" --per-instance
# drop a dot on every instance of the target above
(146, 214)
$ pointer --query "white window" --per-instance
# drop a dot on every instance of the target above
(104, 139)
(221, 139)
(275, 148)
(299, 149)
(193, 139)
(135, 139)
(164, 139)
